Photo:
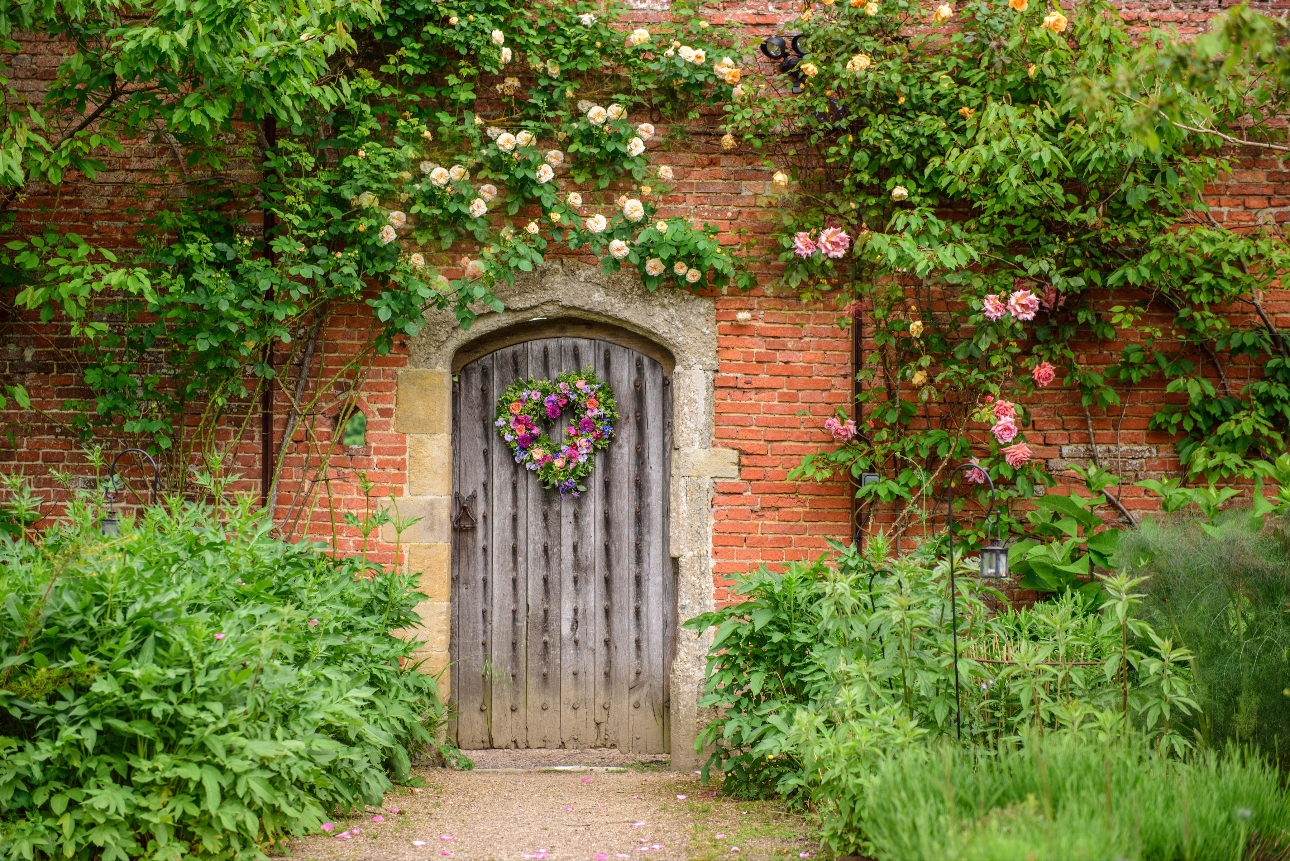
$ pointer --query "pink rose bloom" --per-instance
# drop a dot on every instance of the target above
(1023, 305)
(993, 307)
(1051, 299)
(1017, 455)
(976, 476)
(1005, 430)
(1003, 409)
(834, 242)
(1043, 374)
(842, 431)
(803, 245)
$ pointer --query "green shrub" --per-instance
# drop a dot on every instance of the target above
(847, 655)
(1222, 590)
(196, 688)
(1062, 796)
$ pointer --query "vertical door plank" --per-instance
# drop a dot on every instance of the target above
(577, 617)
(647, 575)
(471, 557)
(510, 581)
(668, 565)
(545, 572)
(616, 578)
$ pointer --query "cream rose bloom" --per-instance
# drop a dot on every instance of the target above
(506, 142)
(616, 112)
(554, 157)
(366, 199)
(635, 147)
(531, 227)
(780, 179)
(619, 250)
(574, 200)
(397, 218)
(488, 192)
(552, 68)
(633, 210)
(439, 177)
(584, 106)
(493, 132)
(596, 223)
(586, 19)
(693, 276)
(654, 267)
(899, 193)
(458, 173)
(388, 235)
(498, 37)
(680, 267)
(524, 138)
(942, 14)
(597, 115)
(645, 131)
(859, 63)
(506, 56)
(871, 8)
(665, 172)
(427, 166)
(687, 53)
(545, 174)
(661, 226)
(478, 207)
(417, 260)
(700, 57)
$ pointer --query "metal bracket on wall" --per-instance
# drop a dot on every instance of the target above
(465, 516)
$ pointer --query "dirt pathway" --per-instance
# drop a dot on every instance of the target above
(538, 813)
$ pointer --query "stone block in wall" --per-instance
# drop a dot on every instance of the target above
(431, 562)
(430, 464)
(1130, 462)
(432, 527)
(423, 402)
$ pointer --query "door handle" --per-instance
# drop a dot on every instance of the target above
(465, 517)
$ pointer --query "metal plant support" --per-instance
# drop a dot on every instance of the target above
(994, 566)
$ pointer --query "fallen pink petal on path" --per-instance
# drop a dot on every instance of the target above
(586, 780)
(444, 852)
(328, 827)
(803, 854)
(680, 798)
(734, 848)
(378, 818)
(637, 824)
(568, 808)
(446, 837)
(418, 843)
(601, 856)
(396, 810)
(656, 846)
(344, 835)
(720, 836)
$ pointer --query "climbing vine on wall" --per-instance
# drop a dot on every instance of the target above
(982, 179)
(451, 146)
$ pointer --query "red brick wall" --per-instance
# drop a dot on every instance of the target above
(783, 369)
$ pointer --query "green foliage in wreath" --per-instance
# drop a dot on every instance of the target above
(527, 405)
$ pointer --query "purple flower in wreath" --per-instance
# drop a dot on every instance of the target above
(552, 411)
(524, 440)
(587, 425)
(501, 423)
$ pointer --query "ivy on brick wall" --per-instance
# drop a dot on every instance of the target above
(425, 153)
(1000, 183)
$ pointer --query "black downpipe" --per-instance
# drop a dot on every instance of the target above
(266, 402)
(857, 364)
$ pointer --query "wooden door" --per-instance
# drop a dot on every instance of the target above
(563, 608)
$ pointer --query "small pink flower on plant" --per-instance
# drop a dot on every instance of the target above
(219, 636)
(803, 244)
(1005, 430)
(313, 623)
(842, 431)
(833, 242)
(1043, 374)
(977, 475)
(1023, 305)
(993, 307)
(1017, 455)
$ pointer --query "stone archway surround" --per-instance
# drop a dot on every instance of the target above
(683, 324)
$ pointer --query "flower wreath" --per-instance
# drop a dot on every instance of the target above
(526, 404)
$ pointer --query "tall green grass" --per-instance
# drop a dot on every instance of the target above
(1064, 797)
(1223, 592)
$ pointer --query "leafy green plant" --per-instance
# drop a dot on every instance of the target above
(1072, 794)
(196, 687)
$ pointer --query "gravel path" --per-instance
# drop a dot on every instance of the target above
(597, 814)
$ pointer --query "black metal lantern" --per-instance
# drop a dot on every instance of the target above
(994, 556)
(111, 527)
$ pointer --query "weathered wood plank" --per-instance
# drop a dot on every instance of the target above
(616, 515)
(471, 558)
(545, 568)
(647, 576)
(507, 671)
(670, 568)
(577, 617)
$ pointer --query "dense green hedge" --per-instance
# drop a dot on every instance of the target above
(196, 688)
